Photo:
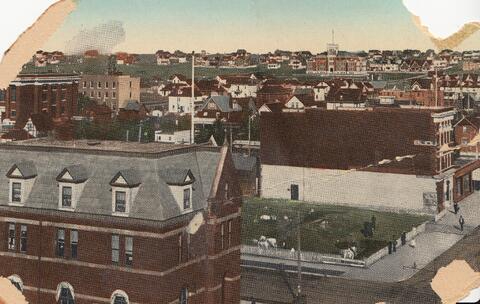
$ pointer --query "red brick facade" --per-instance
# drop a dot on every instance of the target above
(353, 140)
(423, 97)
(465, 130)
(54, 94)
(166, 259)
(463, 182)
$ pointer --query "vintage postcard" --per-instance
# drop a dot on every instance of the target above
(251, 151)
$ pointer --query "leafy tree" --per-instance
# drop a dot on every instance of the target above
(254, 127)
(217, 129)
(83, 103)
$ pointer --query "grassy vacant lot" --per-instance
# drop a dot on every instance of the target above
(343, 225)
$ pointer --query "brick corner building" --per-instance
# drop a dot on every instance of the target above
(120, 223)
(54, 94)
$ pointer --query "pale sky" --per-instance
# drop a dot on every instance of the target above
(144, 26)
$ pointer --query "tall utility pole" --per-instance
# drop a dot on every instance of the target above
(249, 134)
(192, 106)
(140, 132)
(436, 87)
(299, 259)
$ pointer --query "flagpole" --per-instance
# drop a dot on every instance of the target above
(192, 106)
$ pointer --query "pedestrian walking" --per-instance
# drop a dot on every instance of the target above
(374, 222)
(461, 221)
(394, 244)
(455, 207)
(404, 238)
(390, 247)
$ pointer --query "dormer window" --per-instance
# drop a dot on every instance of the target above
(180, 183)
(66, 196)
(16, 192)
(120, 201)
(71, 182)
(125, 185)
(187, 200)
(22, 176)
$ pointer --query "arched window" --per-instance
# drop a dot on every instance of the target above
(65, 294)
(16, 281)
(184, 296)
(119, 297)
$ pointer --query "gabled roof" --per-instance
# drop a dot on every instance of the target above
(133, 105)
(303, 91)
(179, 76)
(222, 102)
(27, 169)
(78, 173)
(131, 177)
(346, 95)
(306, 99)
(177, 177)
(273, 106)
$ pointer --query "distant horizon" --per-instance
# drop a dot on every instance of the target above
(261, 53)
(256, 25)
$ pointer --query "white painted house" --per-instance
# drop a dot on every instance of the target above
(177, 137)
(180, 100)
(273, 65)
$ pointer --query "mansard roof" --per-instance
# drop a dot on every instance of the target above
(154, 199)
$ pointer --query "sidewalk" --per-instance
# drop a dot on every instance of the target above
(437, 238)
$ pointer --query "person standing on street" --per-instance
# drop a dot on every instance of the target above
(461, 221)
(455, 207)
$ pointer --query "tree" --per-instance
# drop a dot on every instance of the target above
(217, 130)
(254, 126)
(83, 103)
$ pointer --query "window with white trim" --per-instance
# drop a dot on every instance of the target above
(65, 294)
(187, 199)
(23, 238)
(119, 297)
(120, 201)
(60, 248)
(129, 251)
(11, 236)
(184, 296)
(16, 192)
(74, 244)
(66, 196)
(115, 248)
